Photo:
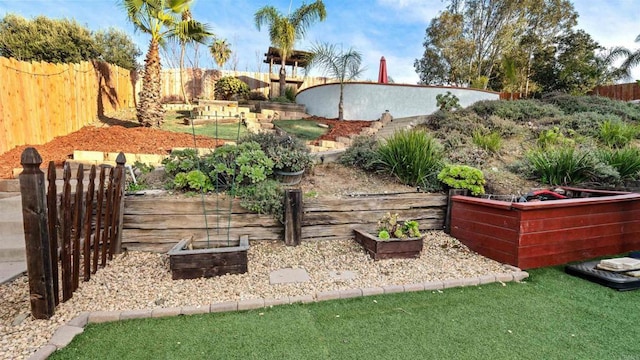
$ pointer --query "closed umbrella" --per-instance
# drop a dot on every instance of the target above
(382, 74)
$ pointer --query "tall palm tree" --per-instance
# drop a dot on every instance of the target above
(285, 30)
(633, 60)
(220, 51)
(162, 20)
(189, 31)
(342, 65)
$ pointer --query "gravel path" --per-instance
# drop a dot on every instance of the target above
(139, 280)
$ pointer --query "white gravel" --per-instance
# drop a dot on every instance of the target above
(138, 280)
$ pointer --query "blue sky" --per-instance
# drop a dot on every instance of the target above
(390, 28)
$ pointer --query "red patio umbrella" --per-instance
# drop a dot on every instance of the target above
(382, 73)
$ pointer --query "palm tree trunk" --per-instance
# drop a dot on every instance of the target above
(150, 111)
(283, 78)
(182, 87)
(341, 104)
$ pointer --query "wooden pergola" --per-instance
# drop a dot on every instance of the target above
(296, 59)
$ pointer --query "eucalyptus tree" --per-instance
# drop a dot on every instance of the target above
(116, 47)
(338, 64)
(467, 41)
(220, 50)
(284, 30)
(162, 20)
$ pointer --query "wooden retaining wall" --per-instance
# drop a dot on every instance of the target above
(158, 223)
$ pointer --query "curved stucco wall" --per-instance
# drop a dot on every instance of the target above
(367, 101)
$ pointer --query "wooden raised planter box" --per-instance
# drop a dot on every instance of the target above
(209, 262)
(546, 233)
(389, 249)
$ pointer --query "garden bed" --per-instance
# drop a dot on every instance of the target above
(186, 263)
(545, 233)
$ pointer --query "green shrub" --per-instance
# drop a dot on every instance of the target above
(242, 164)
(564, 166)
(491, 141)
(553, 137)
(194, 180)
(257, 95)
(287, 153)
(182, 161)
(414, 157)
(390, 226)
(617, 134)
(463, 177)
(597, 104)
(282, 99)
(625, 161)
(586, 123)
(265, 197)
(229, 87)
(362, 153)
(447, 102)
(518, 110)
(290, 93)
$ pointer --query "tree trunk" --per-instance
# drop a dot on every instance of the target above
(283, 78)
(184, 91)
(150, 111)
(341, 104)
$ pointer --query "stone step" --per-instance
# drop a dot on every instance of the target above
(10, 270)
(12, 248)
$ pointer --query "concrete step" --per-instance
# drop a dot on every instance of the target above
(10, 270)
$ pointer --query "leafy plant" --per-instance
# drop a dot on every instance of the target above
(242, 164)
(181, 161)
(414, 157)
(290, 94)
(228, 87)
(287, 153)
(491, 141)
(193, 180)
(390, 227)
(625, 161)
(363, 153)
(552, 137)
(563, 166)
(265, 197)
(617, 134)
(463, 177)
(447, 102)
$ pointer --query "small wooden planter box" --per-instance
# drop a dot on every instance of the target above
(197, 263)
(389, 249)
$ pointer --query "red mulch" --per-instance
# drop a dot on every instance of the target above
(139, 140)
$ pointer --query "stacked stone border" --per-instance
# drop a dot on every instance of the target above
(65, 333)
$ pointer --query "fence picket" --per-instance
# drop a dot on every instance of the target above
(77, 227)
(67, 285)
(107, 223)
(99, 204)
(87, 224)
(52, 223)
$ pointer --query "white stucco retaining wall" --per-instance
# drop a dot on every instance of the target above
(367, 101)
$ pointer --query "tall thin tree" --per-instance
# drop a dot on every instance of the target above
(160, 19)
(336, 63)
(284, 30)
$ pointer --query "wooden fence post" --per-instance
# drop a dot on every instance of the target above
(447, 218)
(292, 217)
(36, 235)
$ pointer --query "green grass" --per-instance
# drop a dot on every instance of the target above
(550, 316)
(174, 121)
(303, 129)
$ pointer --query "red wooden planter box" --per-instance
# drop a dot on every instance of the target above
(537, 234)
(389, 249)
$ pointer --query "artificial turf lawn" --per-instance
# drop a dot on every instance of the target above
(551, 315)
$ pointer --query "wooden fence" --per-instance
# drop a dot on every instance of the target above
(75, 232)
(624, 92)
(158, 223)
(200, 83)
(39, 101)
